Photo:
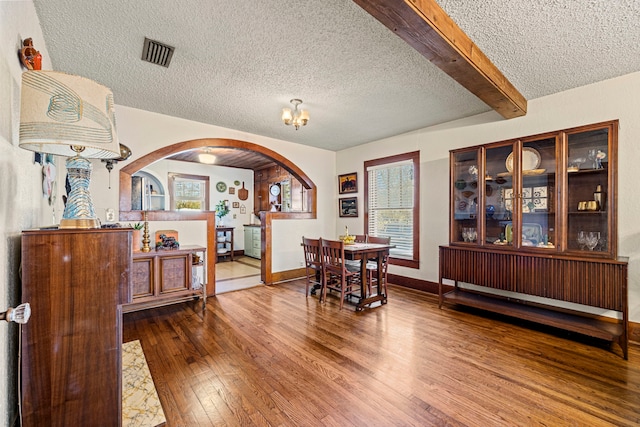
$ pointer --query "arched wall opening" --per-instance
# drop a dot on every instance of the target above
(126, 214)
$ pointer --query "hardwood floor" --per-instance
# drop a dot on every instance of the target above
(270, 356)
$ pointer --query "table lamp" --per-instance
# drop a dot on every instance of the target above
(69, 115)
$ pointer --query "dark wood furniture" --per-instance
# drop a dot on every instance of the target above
(312, 264)
(162, 277)
(335, 274)
(224, 243)
(519, 214)
(75, 281)
(364, 252)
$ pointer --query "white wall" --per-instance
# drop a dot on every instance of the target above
(612, 99)
(143, 132)
(22, 205)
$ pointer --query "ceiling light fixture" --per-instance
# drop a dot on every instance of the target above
(206, 157)
(296, 117)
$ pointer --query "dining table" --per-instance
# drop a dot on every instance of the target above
(365, 252)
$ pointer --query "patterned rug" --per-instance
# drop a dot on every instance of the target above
(140, 403)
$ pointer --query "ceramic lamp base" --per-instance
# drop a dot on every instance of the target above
(80, 223)
(78, 211)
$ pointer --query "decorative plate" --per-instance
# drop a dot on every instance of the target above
(530, 159)
(236, 182)
(221, 187)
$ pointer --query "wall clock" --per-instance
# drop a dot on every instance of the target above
(275, 190)
(221, 187)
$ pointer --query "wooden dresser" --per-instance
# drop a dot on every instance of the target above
(76, 282)
(167, 276)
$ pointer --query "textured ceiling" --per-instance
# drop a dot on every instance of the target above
(238, 63)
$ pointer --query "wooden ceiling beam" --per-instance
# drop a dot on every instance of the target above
(429, 30)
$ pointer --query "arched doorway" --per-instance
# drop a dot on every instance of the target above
(126, 214)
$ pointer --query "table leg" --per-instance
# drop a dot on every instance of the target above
(364, 299)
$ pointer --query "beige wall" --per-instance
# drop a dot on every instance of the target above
(607, 100)
(21, 203)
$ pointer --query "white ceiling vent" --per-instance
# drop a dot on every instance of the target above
(156, 52)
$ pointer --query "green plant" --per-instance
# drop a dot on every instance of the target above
(137, 226)
(222, 208)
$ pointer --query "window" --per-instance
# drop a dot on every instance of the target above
(392, 204)
(189, 192)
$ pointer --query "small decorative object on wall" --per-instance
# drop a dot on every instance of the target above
(348, 207)
(221, 187)
(348, 183)
(31, 59)
(236, 182)
(243, 209)
(232, 190)
(236, 205)
(243, 193)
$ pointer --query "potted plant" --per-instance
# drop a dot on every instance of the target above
(137, 235)
(222, 209)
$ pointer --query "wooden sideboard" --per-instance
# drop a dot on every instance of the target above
(600, 283)
(75, 281)
(163, 277)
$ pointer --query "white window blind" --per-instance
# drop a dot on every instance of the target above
(391, 189)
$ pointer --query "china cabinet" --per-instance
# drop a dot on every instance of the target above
(536, 216)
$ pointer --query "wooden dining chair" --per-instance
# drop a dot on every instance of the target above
(360, 238)
(372, 266)
(312, 263)
(335, 274)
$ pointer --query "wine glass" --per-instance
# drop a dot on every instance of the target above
(465, 234)
(582, 239)
(592, 239)
(591, 155)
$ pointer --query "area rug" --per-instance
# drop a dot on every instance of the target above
(140, 403)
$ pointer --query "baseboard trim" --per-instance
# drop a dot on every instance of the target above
(283, 276)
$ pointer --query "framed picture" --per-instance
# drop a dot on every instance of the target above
(236, 205)
(348, 183)
(232, 190)
(348, 207)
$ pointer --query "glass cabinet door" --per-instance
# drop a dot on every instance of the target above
(464, 197)
(539, 204)
(587, 191)
(500, 204)
(547, 193)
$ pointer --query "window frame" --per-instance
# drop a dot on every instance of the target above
(414, 157)
(172, 197)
